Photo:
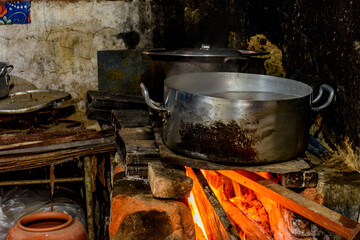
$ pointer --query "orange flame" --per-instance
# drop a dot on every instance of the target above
(196, 214)
(243, 236)
(244, 199)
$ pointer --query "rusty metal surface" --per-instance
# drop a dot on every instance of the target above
(293, 165)
(219, 140)
(121, 71)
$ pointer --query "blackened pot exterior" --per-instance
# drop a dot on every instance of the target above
(236, 118)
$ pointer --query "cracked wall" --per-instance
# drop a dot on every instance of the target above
(58, 49)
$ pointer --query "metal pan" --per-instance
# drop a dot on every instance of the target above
(237, 118)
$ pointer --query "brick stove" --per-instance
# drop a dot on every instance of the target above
(149, 199)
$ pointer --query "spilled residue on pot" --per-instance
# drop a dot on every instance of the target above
(218, 141)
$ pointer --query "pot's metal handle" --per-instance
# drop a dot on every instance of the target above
(152, 104)
(6, 69)
(227, 59)
(318, 97)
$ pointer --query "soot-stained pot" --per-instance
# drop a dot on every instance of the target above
(4, 79)
(165, 63)
(237, 118)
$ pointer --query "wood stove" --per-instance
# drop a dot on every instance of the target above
(249, 202)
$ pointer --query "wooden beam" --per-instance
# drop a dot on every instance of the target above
(213, 226)
(247, 226)
(313, 211)
(60, 146)
(42, 136)
(129, 118)
(139, 133)
(356, 234)
(28, 161)
(251, 229)
(221, 213)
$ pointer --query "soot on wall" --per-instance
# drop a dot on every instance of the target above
(320, 42)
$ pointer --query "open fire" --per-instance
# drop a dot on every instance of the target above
(259, 208)
(239, 202)
(235, 197)
(199, 225)
(231, 204)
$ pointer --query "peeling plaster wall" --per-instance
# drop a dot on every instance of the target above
(58, 49)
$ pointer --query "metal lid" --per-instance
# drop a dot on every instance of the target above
(32, 100)
(204, 51)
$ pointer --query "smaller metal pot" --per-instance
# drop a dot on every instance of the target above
(4, 79)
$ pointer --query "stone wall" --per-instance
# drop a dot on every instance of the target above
(58, 49)
(318, 42)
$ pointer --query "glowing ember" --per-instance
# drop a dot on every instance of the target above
(253, 209)
(242, 198)
(196, 216)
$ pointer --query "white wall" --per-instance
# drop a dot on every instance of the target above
(58, 49)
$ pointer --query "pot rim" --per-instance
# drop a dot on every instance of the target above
(173, 82)
(201, 53)
(43, 216)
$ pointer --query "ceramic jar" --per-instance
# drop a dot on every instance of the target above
(47, 226)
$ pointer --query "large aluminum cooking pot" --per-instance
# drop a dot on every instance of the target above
(165, 63)
(4, 79)
(237, 118)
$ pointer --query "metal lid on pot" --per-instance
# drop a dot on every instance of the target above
(204, 52)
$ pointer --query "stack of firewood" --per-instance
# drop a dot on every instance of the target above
(41, 149)
(100, 104)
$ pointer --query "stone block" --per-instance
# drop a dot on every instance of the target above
(299, 180)
(168, 182)
(300, 227)
(136, 214)
(312, 194)
(297, 225)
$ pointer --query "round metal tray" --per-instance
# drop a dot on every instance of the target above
(31, 100)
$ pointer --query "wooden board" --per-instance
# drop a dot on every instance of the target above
(250, 229)
(140, 152)
(138, 133)
(213, 225)
(51, 148)
(137, 147)
(55, 147)
(129, 118)
(110, 101)
(43, 159)
(100, 104)
(218, 206)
